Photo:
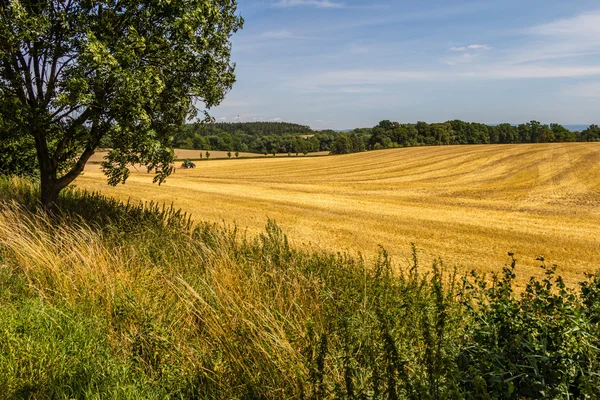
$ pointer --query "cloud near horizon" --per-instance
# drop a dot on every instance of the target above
(312, 3)
(471, 47)
(282, 34)
(352, 81)
(567, 38)
(587, 89)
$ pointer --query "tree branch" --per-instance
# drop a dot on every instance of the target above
(53, 72)
(70, 132)
(16, 86)
(70, 176)
(36, 71)
(22, 69)
(57, 116)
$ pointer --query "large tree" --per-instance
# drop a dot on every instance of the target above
(74, 73)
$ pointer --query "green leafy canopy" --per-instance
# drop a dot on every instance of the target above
(73, 73)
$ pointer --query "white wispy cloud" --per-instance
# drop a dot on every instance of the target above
(566, 38)
(371, 76)
(466, 54)
(587, 89)
(357, 49)
(463, 58)
(371, 80)
(581, 25)
(283, 34)
(354, 89)
(475, 47)
(324, 122)
(312, 3)
(545, 71)
(429, 14)
(479, 47)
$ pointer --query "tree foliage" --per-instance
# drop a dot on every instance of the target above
(74, 73)
(17, 153)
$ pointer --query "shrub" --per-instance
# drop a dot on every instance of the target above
(543, 343)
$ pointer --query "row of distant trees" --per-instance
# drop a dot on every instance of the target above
(271, 137)
(393, 134)
(254, 137)
(244, 142)
(388, 134)
(251, 128)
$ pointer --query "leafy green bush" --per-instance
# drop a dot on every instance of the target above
(542, 343)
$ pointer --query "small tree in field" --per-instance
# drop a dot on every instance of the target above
(229, 154)
(237, 154)
(207, 155)
(274, 152)
(75, 73)
(201, 155)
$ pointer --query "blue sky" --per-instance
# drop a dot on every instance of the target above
(346, 63)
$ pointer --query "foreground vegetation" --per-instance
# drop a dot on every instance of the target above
(113, 300)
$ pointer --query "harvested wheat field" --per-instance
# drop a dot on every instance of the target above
(182, 154)
(469, 205)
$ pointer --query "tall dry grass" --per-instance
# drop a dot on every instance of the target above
(197, 308)
(179, 299)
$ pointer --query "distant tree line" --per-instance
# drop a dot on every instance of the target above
(254, 137)
(280, 137)
(389, 134)
(252, 128)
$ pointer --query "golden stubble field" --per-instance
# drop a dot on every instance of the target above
(182, 154)
(469, 205)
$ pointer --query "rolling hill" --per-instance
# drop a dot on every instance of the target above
(469, 205)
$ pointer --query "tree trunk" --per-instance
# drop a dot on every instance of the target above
(51, 184)
(50, 191)
(48, 183)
